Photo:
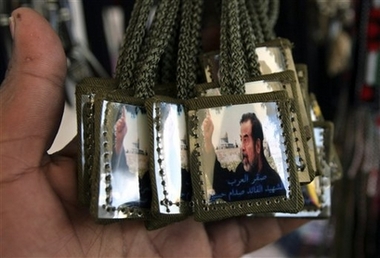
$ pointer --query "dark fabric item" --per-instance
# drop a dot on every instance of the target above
(241, 185)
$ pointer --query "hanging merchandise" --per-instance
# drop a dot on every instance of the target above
(369, 90)
(270, 57)
(81, 62)
(182, 132)
(358, 193)
(275, 57)
(120, 185)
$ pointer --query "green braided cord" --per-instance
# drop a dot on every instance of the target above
(168, 68)
(249, 41)
(128, 35)
(238, 73)
(261, 7)
(152, 34)
(198, 8)
(273, 13)
(141, 77)
(184, 49)
(144, 79)
(160, 33)
(132, 49)
(255, 21)
(189, 48)
(224, 59)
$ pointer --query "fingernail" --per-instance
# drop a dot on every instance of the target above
(12, 26)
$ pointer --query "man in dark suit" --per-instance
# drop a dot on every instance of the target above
(253, 177)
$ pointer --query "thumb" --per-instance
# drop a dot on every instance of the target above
(32, 94)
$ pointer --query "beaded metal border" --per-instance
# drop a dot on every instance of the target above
(158, 174)
(285, 48)
(205, 211)
(86, 139)
(160, 149)
(104, 134)
(305, 118)
(287, 81)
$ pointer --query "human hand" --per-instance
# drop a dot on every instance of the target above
(120, 131)
(40, 215)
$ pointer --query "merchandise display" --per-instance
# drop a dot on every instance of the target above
(211, 110)
(178, 146)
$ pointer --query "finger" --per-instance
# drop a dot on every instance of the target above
(34, 217)
(62, 173)
(70, 150)
(248, 234)
(262, 231)
(32, 91)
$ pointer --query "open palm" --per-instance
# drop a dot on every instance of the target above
(39, 211)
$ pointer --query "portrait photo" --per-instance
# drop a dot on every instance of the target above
(128, 179)
(242, 152)
(170, 156)
(283, 81)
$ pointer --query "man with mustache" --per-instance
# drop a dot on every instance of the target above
(253, 177)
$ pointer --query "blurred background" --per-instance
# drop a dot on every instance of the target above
(338, 40)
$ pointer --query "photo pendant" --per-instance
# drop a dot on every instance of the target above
(242, 159)
(122, 138)
(169, 165)
(283, 81)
